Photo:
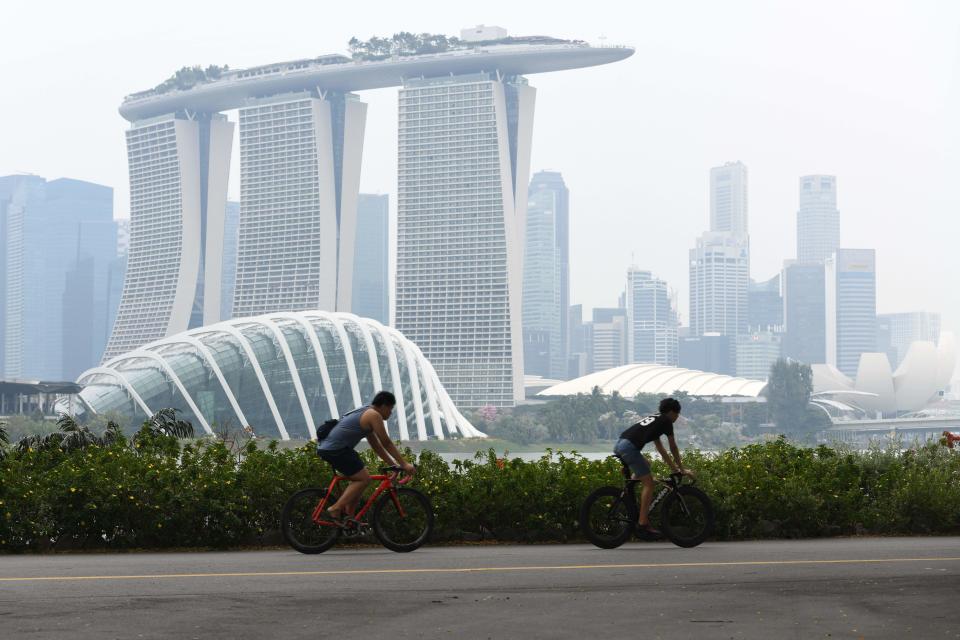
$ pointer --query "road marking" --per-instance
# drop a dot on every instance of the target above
(567, 567)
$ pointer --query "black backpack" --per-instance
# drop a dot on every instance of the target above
(324, 430)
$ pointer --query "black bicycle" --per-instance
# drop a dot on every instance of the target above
(609, 515)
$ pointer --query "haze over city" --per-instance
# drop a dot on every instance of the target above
(866, 92)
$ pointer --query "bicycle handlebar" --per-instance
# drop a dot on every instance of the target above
(396, 470)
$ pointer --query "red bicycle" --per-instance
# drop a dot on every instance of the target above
(402, 518)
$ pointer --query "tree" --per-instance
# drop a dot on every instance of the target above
(788, 394)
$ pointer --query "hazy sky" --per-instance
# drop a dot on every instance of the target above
(869, 91)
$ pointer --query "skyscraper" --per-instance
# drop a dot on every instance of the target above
(651, 320)
(804, 313)
(897, 331)
(728, 199)
(765, 305)
(719, 281)
(231, 238)
(546, 277)
(299, 179)
(371, 287)
(818, 220)
(86, 298)
(464, 162)
(48, 225)
(608, 339)
(755, 353)
(179, 165)
(850, 278)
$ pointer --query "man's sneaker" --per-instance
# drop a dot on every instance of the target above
(648, 533)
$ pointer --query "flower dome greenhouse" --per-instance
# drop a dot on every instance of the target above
(281, 374)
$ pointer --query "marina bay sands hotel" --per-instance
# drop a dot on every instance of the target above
(465, 130)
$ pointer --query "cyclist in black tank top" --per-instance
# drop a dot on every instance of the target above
(632, 441)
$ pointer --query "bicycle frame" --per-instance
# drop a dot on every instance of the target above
(387, 482)
(669, 484)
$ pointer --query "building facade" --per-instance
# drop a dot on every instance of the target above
(300, 160)
(850, 279)
(371, 285)
(546, 277)
(710, 352)
(755, 353)
(897, 331)
(651, 320)
(608, 339)
(728, 199)
(818, 220)
(56, 234)
(765, 305)
(464, 162)
(719, 283)
(179, 164)
(804, 312)
(231, 239)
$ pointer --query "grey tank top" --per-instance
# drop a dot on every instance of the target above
(347, 434)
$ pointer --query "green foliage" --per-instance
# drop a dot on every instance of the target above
(401, 44)
(788, 396)
(188, 77)
(157, 491)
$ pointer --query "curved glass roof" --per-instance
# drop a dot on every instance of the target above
(282, 374)
(631, 379)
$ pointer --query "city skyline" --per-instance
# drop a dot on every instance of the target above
(869, 191)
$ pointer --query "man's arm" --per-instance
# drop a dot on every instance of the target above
(674, 466)
(385, 448)
(675, 450)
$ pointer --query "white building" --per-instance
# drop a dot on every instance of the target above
(651, 320)
(818, 220)
(719, 284)
(178, 194)
(299, 182)
(608, 339)
(464, 163)
(728, 199)
(281, 374)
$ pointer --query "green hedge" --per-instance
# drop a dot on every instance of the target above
(155, 492)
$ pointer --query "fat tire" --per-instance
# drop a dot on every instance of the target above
(689, 493)
(608, 542)
(306, 495)
(386, 501)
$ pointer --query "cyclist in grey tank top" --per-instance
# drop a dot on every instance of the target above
(338, 448)
(347, 433)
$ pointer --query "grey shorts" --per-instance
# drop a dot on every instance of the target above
(632, 456)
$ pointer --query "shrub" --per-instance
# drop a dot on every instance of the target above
(156, 491)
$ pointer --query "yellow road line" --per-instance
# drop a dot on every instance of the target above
(569, 567)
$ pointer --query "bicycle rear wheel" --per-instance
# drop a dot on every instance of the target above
(298, 527)
(607, 517)
(687, 517)
(402, 519)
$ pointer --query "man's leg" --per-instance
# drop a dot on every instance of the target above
(646, 497)
(358, 482)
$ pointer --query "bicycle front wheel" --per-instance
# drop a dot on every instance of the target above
(686, 516)
(402, 519)
(607, 517)
(299, 529)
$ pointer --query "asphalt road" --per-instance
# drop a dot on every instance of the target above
(845, 588)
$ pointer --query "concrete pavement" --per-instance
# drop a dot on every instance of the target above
(837, 588)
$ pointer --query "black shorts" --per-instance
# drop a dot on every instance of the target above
(345, 461)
